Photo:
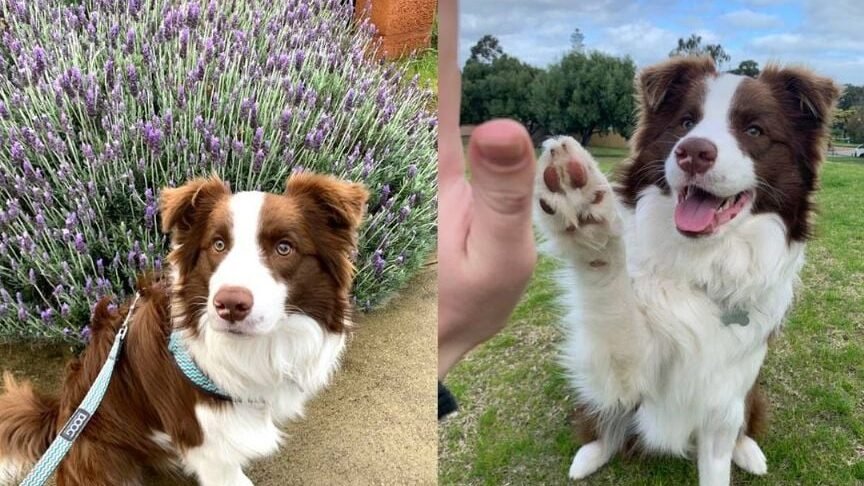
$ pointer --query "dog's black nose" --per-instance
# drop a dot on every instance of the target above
(695, 155)
(233, 303)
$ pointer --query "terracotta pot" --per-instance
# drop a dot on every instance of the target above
(403, 25)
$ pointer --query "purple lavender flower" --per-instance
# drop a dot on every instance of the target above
(80, 244)
(258, 161)
(39, 62)
(17, 151)
(378, 262)
(90, 101)
(134, 7)
(109, 74)
(314, 139)
(132, 79)
(153, 137)
(285, 121)
(184, 42)
(113, 34)
(193, 13)
(238, 147)
(76, 81)
(196, 75)
(258, 139)
(147, 55)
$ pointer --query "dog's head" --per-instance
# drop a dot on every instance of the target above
(727, 147)
(243, 263)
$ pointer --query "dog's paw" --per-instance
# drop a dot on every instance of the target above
(749, 457)
(589, 458)
(574, 198)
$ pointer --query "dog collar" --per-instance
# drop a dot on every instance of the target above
(191, 370)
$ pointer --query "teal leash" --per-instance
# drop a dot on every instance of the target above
(48, 463)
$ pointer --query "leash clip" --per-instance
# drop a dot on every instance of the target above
(121, 334)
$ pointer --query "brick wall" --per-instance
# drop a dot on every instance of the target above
(404, 25)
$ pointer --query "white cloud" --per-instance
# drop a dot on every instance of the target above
(644, 42)
(749, 19)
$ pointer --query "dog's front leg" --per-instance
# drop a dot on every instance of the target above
(577, 213)
(212, 470)
(221, 475)
(715, 454)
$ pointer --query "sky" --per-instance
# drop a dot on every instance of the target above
(825, 35)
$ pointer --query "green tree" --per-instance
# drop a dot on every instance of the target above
(692, 46)
(586, 93)
(747, 68)
(501, 88)
(855, 124)
(486, 50)
(852, 96)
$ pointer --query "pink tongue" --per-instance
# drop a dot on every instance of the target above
(696, 213)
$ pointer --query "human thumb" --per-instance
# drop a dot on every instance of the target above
(502, 166)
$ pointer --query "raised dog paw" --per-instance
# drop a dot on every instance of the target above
(574, 198)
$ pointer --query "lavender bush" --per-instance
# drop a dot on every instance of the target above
(104, 102)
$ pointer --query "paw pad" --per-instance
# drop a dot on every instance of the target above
(578, 174)
(550, 178)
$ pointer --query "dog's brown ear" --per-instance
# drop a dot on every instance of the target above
(181, 206)
(343, 202)
(802, 92)
(658, 83)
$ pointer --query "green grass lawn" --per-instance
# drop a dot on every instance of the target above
(424, 64)
(512, 427)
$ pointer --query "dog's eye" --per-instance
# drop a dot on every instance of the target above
(687, 123)
(754, 131)
(219, 245)
(283, 248)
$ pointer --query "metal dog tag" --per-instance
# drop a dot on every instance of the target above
(735, 316)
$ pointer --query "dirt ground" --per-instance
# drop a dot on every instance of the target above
(375, 424)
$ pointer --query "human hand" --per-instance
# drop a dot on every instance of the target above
(486, 248)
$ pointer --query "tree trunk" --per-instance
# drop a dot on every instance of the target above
(586, 136)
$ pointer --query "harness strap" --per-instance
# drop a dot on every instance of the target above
(49, 461)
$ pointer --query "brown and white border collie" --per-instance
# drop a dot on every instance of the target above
(259, 286)
(676, 279)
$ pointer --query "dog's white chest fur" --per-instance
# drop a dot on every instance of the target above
(704, 365)
(280, 374)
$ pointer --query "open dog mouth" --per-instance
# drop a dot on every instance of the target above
(700, 213)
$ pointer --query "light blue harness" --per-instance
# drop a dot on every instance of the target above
(49, 462)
